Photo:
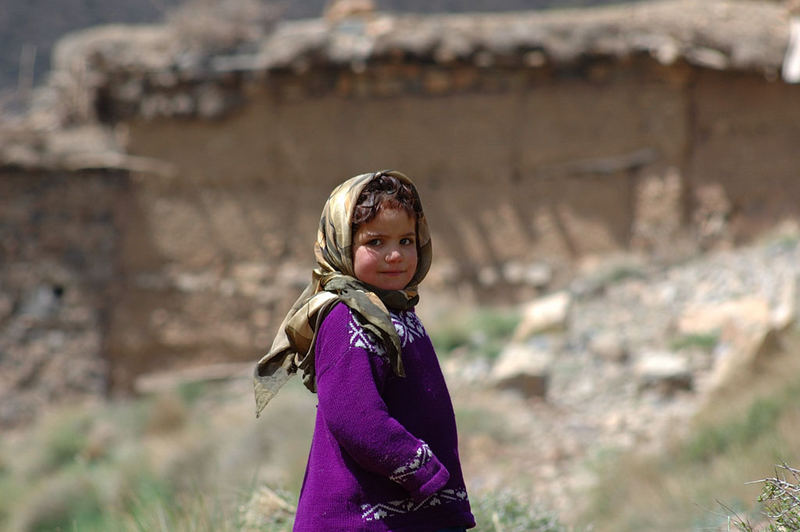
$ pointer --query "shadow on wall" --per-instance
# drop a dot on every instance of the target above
(204, 272)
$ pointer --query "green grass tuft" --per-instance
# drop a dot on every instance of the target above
(479, 333)
(705, 342)
(60, 502)
(62, 439)
(711, 441)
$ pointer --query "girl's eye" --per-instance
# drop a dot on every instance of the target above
(406, 241)
(374, 242)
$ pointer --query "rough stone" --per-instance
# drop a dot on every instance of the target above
(737, 357)
(608, 345)
(544, 314)
(663, 371)
(713, 317)
(524, 369)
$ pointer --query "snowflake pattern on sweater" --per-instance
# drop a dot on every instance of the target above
(376, 512)
(408, 327)
(406, 323)
(422, 457)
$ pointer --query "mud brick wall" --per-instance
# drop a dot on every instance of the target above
(59, 242)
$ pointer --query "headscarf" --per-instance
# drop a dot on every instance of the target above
(333, 281)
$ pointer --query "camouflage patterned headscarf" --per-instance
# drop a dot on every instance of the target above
(332, 281)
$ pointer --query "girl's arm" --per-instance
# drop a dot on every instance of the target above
(357, 416)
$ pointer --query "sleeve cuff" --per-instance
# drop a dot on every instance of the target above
(437, 482)
(423, 475)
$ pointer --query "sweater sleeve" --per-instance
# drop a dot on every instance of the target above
(349, 374)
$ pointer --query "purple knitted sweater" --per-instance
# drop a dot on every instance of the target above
(384, 456)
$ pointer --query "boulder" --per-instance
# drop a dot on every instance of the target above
(747, 312)
(544, 314)
(663, 371)
(523, 368)
(741, 352)
(749, 330)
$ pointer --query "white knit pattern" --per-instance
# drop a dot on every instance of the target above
(360, 337)
(422, 457)
(376, 512)
(405, 322)
(408, 326)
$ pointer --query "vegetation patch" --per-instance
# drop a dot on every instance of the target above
(703, 341)
(715, 440)
(781, 500)
(481, 332)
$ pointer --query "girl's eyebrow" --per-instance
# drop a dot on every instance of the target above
(372, 234)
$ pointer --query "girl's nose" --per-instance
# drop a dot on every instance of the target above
(393, 256)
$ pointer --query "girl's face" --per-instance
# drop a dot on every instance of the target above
(385, 250)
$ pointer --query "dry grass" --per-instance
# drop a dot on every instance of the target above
(171, 462)
(197, 459)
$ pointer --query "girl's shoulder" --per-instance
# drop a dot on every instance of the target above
(341, 317)
(339, 313)
(345, 324)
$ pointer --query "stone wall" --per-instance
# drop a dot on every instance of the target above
(521, 184)
(542, 168)
(59, 274)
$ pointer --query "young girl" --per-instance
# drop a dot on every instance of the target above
(384, 456)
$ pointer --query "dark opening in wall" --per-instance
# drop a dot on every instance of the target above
(58, 291)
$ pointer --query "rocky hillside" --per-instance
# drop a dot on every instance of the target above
(623, 359)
